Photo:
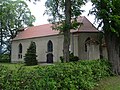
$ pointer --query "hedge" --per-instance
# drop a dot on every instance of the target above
(82, 75)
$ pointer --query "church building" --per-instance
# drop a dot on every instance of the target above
(84, 42)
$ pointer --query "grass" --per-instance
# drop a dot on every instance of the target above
(11, 66)
(109, 83)
(16, 66)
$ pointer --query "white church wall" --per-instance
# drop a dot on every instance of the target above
(81, 45)
(77, 46)
(41, 48)
(94, 52)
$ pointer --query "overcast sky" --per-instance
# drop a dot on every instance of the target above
(38, 10)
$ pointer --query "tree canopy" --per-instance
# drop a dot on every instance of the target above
(14, 15)
(56, 10)
(107, 12)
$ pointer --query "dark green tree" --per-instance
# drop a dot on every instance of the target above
(63, 15)
(30, 56)
(107, 13)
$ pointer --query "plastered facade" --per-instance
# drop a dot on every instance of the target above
(77, 46)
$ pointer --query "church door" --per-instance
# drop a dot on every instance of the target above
(49, 58)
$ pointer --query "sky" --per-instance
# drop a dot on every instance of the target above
(38, 10)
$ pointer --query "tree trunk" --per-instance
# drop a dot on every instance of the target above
(66, 32)
(112, 42)
(66, 45)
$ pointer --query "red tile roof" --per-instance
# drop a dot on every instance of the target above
(46, 30)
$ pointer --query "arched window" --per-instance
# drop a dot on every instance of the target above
(20, 48)
(50, 46)
(86, 43)
(20, 51)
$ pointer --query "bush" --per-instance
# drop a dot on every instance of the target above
(4, 58)
(72, 58)
(81, 75)
(30, 56)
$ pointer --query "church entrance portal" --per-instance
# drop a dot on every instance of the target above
(49, 58)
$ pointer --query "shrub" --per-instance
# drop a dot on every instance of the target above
(81, 75)
(72, 58)
(30, 56)
(4, 58)
(61, 59)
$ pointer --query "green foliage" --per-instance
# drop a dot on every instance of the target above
(81, 75)
(107, 14)
(30, 56)
(14, 15)
(72, 58)
(4, 58)
(56, 10)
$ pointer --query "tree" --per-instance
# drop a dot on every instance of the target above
(107, 13)
(14, 15)
(62, 13)
(30, 56)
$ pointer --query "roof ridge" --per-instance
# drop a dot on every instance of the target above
(37, 26)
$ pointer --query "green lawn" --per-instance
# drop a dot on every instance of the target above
(109, 83)
(17, 66)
